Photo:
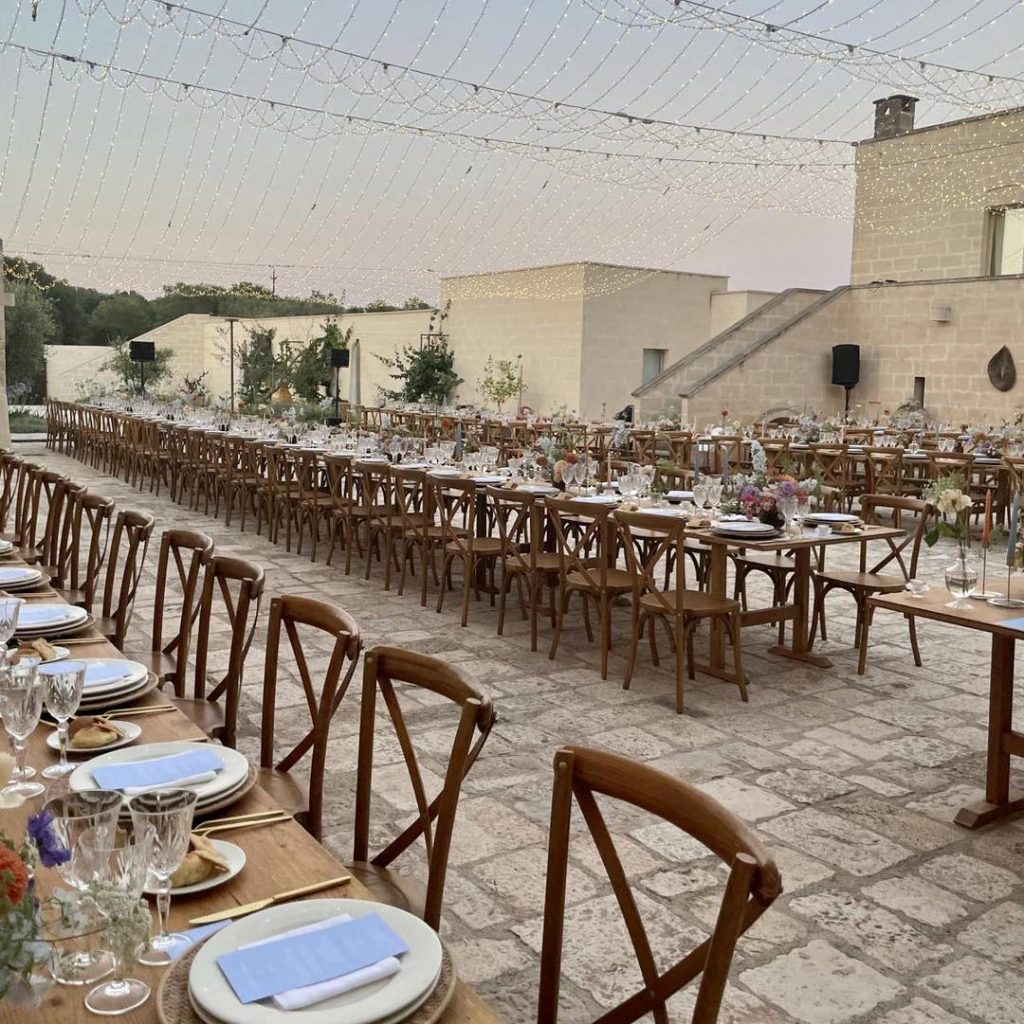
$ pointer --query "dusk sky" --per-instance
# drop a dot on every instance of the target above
(386, 143)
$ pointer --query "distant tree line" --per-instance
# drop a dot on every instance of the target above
(50, 311)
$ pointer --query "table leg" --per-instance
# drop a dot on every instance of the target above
(999, 799)
(801, 649)
(718, 582)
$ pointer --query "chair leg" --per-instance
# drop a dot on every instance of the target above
(735, 625)
(563, 606)
(634, 643)
(469, 584)
(681, 656)
(865, 625)
(912, 623)
(605, 607)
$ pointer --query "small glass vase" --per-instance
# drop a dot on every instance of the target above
(961, 579)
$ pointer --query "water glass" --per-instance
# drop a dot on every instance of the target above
(107, 857)
(168, 812)
(21, 704)
(10, 608)
(64, 681)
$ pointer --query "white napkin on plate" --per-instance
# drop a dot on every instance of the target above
(191, 780)
(308, 995)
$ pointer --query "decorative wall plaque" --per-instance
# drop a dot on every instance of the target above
(1001, 370)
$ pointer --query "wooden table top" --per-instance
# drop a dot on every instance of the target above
(980, 616)
(279, 857)
(788, 542)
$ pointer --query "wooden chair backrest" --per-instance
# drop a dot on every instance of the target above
(753, 883)
(59, 524)
(884, 470)
(580, 531)
(516, 517)
(834, 463)
(339, 480)
(183, 554)
(27, 501)
(90, 515)
(240, 584)
(870, 504)
(132, 533)
(10, 485)
(435, 820)
(454, 503)
(290, 614)
(410, 497)
(651, 545)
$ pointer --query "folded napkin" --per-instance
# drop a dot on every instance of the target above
(186, 769)
(363, 950)
(96, 674)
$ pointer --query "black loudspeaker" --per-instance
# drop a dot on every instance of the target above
(846, 365)
(339, 358)
(142, 351)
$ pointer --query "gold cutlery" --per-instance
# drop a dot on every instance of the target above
(270, 901)
(232, 818)
(209, 830)
(159, 709)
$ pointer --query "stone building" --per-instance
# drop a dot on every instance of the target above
(936, 288)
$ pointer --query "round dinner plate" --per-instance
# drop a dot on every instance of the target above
(111, 675)
(39, 619)
(680, 495)
(59, 654)
(234, 855)
(6, 547)
(233, 775)
(18, 576)
(746, 528)
(831, 517)
(130, 732)
(100, 701)
(596, 499)
(371, 1004)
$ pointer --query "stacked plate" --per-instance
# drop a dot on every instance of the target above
(19, 577)
(50, 620)
(232, 778)
(387, 1001)
(831, 518)
(749, 529)
(6, 547)
(110, 682)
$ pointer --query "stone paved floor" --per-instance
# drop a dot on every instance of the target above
(891, 914)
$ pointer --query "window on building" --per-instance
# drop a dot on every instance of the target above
(1006, 226)
(654, 363)
(919, 391)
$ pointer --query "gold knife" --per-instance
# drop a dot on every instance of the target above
(281, 897)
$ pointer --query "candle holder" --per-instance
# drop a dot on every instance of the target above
(982, 593)
(1005, 601)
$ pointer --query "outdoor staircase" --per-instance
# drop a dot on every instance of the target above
(718, 355)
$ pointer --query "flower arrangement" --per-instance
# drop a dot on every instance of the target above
(948, 495)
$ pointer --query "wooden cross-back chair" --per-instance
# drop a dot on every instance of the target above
(342, 523)
(584, 544)
(86, 531)
(290, 615)
(651, 544)
(58, 515)
(40, 513)
(872, 578)
(435, 817)
(837, 484)
(752, 885)
(126, 559)
(25, 502)
(313, 506)
(776, 452)
(417, 530)
(213, 705)
(884, 471)
(10, 486)
(183, 554)
(454, 502)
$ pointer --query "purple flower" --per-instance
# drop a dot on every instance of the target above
(40, 832)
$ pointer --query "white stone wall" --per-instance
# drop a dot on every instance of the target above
(921, 200)
(73, 371)
(728, 307)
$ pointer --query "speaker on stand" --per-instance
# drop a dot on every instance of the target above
(846, 368)
(339, 360)
(142, 352)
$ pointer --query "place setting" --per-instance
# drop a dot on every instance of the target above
(51, 621)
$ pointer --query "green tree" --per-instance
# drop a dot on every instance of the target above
(125, 315)
(133, 374)
(415, 302)
(311, 372)
(426, 372)
(257, 365)
(31, 324)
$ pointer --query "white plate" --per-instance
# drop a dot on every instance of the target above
(111, 675)
(234, 855)
(18, 576)
(537, 489)
(130, 732)
(445, 471)
(367, 1005)
(746, 527)
(92, 702)
(680, 495)
(595, 499)
(60, 652)
(234, 773)
(37, 619)
(6, 547)
(831, 517)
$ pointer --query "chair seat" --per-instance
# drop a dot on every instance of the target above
(206, 714)
(695, 602)
(286, 791)
(485, 547)
(863, 580)
(616, 580)
(387, 886)
(767, 562)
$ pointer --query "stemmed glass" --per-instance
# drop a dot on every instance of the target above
(700, 496)
(714, 495)
(10, 609)
(72, 815)
(64, 681)
(106, 857)
(21, 704)
(168, 812)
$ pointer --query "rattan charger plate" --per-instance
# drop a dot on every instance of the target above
(173, 1005)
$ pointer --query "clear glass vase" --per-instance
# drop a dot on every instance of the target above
(961, 579)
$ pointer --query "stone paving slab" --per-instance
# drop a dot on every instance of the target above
(891, 914)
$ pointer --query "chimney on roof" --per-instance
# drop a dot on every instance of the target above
(894, 115)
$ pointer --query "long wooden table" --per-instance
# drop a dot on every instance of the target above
(279, 857)
(1003, 741)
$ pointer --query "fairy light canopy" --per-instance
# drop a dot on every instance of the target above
(368, 148)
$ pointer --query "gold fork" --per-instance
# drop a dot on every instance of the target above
(209, 828)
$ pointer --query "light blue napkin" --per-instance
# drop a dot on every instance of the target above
(106, 673)
(157, 771)
(1017, 624)
(307, 958)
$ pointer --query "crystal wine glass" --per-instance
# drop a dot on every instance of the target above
(21, 704)
(714, 495)
(10, 609)
(168, 812)
(700, 496)
(64, 681)
(72, 815)
(114, 864)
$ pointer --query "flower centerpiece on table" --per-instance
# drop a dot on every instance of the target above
(758, 496)
(948, 494)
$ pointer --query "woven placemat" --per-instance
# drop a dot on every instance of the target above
(173, 1005)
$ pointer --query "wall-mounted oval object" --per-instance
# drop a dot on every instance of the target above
(1001, 370)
